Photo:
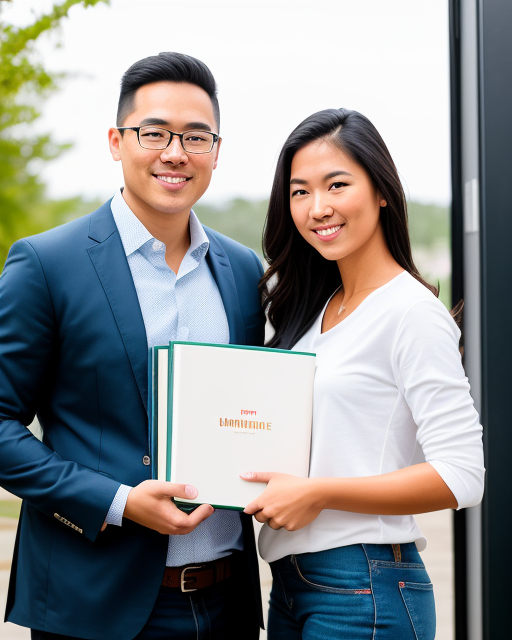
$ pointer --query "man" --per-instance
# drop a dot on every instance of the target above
(79, 306)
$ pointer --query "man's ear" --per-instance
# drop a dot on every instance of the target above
(217, 153)
(114, 142)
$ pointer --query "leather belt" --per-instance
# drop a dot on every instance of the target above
(192, 577)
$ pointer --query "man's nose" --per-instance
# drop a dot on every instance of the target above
(174, 153)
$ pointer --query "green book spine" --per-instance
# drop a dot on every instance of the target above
(151, 410)
(169, 411)
(155, 354)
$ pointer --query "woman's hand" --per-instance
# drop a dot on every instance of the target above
(292, 502)
(288, 501)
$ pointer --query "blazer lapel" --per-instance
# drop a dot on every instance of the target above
(220, 267)
(109, 260)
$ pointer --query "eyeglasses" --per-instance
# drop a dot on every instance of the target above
(150, 137)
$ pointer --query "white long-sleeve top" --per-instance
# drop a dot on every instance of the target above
(390, 391)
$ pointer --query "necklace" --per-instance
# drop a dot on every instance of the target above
(342, 305)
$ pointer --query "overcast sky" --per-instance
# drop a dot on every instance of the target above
(275, 61)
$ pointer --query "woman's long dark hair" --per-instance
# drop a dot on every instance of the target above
(299, 280)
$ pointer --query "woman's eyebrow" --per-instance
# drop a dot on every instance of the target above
(333, 174)
(328, 176)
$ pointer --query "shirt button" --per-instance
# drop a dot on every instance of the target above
(157, 245)
(146, 460)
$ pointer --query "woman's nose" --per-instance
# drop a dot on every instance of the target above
(320, 208)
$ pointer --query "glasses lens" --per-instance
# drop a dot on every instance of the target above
(197, 141)
(153, 138)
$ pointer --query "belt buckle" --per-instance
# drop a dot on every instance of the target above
(183, 578)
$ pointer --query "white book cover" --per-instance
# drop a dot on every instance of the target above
(231, 410)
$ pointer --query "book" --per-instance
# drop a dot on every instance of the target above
(158, 391)
(220, 410)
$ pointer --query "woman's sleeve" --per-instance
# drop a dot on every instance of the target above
(429, 373)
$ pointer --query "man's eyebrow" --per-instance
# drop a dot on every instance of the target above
(152, 121)
(198, 125)
(328, 176)
(203, 126)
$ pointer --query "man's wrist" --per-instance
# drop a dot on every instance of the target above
(116, 511)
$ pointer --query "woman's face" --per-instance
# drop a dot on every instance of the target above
(333, 202)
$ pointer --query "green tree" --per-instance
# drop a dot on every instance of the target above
(24, 84)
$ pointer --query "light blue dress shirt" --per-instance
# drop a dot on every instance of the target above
(182, 306)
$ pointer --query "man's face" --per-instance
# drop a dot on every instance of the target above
(179, 107)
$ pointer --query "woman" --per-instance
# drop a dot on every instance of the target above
(394, 428)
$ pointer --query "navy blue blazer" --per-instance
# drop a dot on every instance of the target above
(73, 351)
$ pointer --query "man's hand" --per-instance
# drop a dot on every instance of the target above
(150, 504)
(288, 501)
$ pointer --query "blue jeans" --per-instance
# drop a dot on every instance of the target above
(199, 615)
(358, 592)
(205, 614)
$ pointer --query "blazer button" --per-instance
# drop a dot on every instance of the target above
(146, 460)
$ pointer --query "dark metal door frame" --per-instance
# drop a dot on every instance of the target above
(493, 42)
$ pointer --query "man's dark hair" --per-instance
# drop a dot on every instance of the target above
(167, 67)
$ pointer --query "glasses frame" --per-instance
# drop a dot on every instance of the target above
(215, 137)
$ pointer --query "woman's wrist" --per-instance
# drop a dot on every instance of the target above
(319, 492)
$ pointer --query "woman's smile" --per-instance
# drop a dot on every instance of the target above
(327, 234)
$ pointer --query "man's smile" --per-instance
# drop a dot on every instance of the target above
(174, 181)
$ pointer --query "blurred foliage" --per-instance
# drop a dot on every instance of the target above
(429, 225)
(239, 219)
(24, 84)
(25, 208)
(10, 508)
(243, 220)
(429, 228)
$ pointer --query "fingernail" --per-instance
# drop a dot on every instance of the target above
(190, 491)
(247, 476)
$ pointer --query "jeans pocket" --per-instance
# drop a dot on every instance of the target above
(330, 580)
(418, 598)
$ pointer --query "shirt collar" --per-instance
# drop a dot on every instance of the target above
(199, 242)
(134, 234)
